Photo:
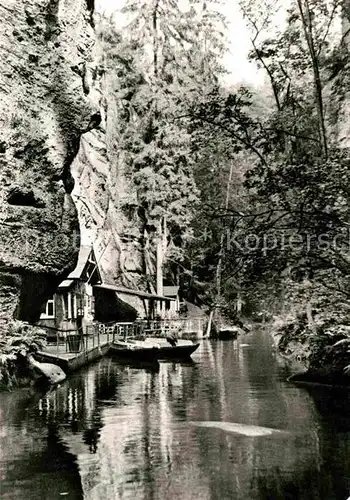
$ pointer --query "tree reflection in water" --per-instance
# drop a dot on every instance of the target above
(126, 429)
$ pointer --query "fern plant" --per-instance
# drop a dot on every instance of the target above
(20, 340)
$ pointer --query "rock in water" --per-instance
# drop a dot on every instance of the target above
(44, 46)
(242, 429)
(50, 372)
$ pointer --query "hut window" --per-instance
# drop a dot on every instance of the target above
(49, 311)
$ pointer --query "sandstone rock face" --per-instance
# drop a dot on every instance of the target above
(103, 194)
(99, 195)
(44, 109)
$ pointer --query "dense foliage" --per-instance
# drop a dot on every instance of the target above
(16, 344)
(249, 188)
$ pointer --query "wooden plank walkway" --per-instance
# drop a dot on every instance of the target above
(98, 338)
(71, 361)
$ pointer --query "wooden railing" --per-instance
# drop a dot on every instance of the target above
(154, 328)
(96, 334)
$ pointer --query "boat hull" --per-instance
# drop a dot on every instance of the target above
(149, 353)
(177, 352)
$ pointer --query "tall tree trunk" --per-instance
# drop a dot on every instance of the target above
(213, 311)
(204, 55)
(222, 238)
(160, 256)
(308, 308)
(308, 32)
(159, 259)
(155, 37)
(274, 85)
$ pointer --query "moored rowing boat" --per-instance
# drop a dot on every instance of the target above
(151, 349)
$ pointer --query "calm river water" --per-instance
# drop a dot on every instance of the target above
(117, 432)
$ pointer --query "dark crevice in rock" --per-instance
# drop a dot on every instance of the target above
(24, 197)
(66, 115)
(82, 72)
(35, 291)
(78, 69)
(30, 19)
(68, 180)
(52, 19)
(90, 4)
(18, 35)
(94, 122)
(33, 58)
(67, 177)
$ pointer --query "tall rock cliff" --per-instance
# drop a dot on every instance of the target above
(44, 47)
(101, 194)
(104, 193)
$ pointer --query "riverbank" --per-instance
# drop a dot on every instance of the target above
(323, 351)
(27, 360)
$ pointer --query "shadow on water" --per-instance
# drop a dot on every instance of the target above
(308, 485)
(333, 406)
(34, 462)
(121, 431)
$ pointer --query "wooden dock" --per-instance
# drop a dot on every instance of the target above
(96, 342)
(72, 361)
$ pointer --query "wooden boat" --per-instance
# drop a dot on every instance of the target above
(228, 333)
(152, 349)
(133, 350)
(177, 352)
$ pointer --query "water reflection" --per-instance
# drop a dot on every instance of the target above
(35, 462)
(116, 432)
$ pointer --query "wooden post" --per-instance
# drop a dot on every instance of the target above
(221, 258)
(239, 303)
(159, 266)
(210, 320)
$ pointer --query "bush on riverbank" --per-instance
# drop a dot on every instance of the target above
(292, 337)
(16, 343)
(314, 318)
(324, 348)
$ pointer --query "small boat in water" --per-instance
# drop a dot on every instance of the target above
(153, 349)
(228, 333)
